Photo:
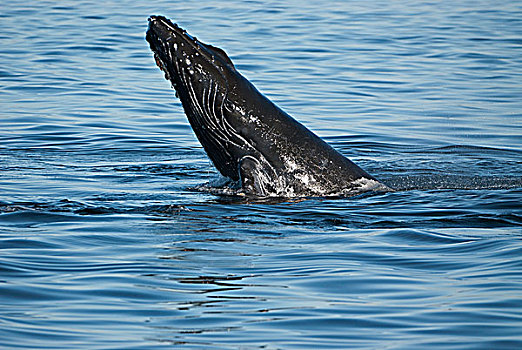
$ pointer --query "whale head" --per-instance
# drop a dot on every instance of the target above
(209, 88)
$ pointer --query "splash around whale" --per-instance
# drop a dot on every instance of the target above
(250, 140)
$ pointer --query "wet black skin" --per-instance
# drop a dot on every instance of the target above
(247, 137)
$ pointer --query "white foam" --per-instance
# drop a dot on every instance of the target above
(291, 165)
(225, 186)
(364, 185)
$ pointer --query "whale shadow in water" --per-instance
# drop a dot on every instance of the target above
(250, 140)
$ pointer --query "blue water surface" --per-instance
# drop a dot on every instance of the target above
(106, 243)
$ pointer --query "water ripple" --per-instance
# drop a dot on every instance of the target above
(102, 231)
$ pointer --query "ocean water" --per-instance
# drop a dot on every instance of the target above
(106, 243)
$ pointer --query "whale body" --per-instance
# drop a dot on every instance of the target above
(246, 136)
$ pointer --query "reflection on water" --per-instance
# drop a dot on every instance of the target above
(106, 229)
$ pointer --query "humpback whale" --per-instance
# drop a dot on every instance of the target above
(246, 136)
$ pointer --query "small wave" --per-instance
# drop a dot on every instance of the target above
(65, 210)
(453, 182)
(472, 149)
(29, 217)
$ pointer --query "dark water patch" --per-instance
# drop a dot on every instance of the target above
(25, 218)
(96, 48)
(38, 213)
(94, 17)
